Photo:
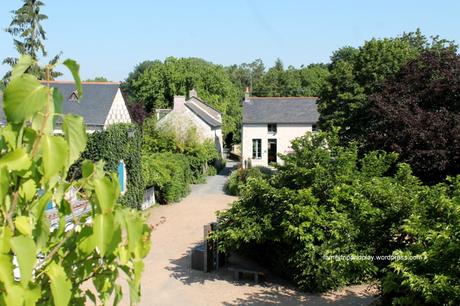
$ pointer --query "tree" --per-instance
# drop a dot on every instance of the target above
(357, 73)
(417, 114)
(29, 36)
(98, 79)
(246, 74)
(56, 264)
(290, 82)
(154, 85)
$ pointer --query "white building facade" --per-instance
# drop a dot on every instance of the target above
(270, 124)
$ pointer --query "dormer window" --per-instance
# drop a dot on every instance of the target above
(73, 96)
(272, 128)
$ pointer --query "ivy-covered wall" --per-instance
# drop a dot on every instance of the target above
(119, 142)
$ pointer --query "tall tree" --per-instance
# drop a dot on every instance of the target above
(357, 73)
(154, 84)
(417, 114)
(29, 37)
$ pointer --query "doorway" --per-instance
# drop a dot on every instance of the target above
(272, 151)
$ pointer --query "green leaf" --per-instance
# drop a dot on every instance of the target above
(16, 160)
(5, 237)
(135, 282)
(27, 190)
(75, 70)
(135, 231)
(15, 296)
(4, 184)
(6, 270)
(26, 252)
(85, 241)
(39, 119)
(60, 285)
(23, 97)
(10, 134)
(55, 152)
(103, 232)
(23, 225)
(107, 192)
(57, 99)
(31, 296)
(75, 135)
(118, 295)
(25, 61)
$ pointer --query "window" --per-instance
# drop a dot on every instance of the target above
(256, 148)
(315, 128)
(271, 127)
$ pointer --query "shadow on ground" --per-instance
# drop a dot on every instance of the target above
(279, 296)
(181, 269)
(273, 292)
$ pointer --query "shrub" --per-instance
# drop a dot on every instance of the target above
(169, 174)
(113, 145)
(323, 201)
(433, 233)
(200, 156)
(239, 177)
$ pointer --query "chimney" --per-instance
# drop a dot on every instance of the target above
(192, 93)
(246, 95)
(179, 103)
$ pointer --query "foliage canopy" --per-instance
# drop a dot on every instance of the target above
(54, 262)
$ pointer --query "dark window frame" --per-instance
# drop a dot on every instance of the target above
(272, 128)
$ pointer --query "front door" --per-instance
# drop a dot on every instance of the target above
(272, 151)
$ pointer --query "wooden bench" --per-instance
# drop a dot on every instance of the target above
(237, 272)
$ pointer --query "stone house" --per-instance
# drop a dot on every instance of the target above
(193, 113)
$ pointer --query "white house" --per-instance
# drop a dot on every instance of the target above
(194, 113)
(102, 104)
(271, 123)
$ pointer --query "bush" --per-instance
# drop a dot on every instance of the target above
(323, 201)
(113, 145)
(327, 201)
(239, 177)
(200, 154)
(433, 231)
(169, 174)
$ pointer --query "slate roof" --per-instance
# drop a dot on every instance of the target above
(202, 111)
(280, 110)
(94, 106)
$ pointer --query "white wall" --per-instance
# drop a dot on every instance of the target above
(118, 112)
(284, 135)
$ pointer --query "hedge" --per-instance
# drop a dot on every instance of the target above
(113, 145)
(170, 175)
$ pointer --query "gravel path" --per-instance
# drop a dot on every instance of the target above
(168, 280)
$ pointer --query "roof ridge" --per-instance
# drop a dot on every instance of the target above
(204, 110)
(300, 97)
(205, 103)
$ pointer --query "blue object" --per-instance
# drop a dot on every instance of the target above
(122, 176)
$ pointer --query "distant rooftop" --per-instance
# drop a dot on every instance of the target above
(94, 106)
(280, 110)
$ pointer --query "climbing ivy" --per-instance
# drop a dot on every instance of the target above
(113, 145)
(41, 265)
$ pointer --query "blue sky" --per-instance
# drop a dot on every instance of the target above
(109, 38)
